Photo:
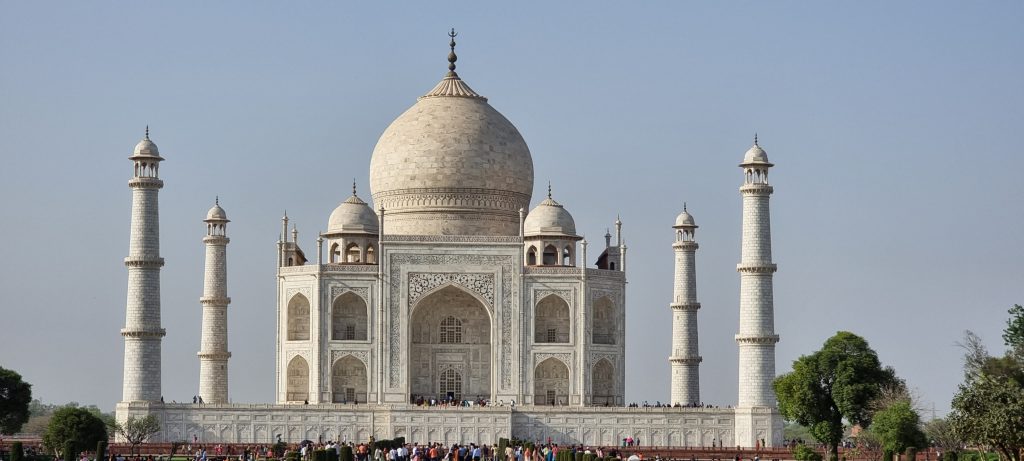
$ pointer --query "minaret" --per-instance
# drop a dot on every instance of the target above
(213, 347)
(142, 332)
(757, 336)
(685, 359)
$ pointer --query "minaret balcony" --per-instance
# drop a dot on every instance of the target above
(687, 360)
(685, 306)
(756, 189)
(756, 268)
(144, 182)
(143, 333)
(214, 355)
(144, 263)
(214, 301)
(757, 340)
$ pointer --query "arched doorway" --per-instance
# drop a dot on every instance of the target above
(298, 318)
(551, 383)
(450, 347)
(602, 383)
(551, 320)
(298, 380)
(348, 381)
(348, 318)
(605, 322)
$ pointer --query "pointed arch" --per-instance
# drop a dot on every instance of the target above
(550, 257)
(353, 253)
(349, 380)
(551, 320)
(334, 255)
(531, 256)
(349, 318)
(567, 256)
(298, 380)
(605, 322)
(602, 381)
(456, 321)
(450, 384)
(298, 318)
(551, 383)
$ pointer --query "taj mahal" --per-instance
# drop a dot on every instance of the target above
(451, 287)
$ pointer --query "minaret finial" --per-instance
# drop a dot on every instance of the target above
(216, 200)
(353, 187)
(684, 206)
(451, 56)
(549, 189)
(755, 138)
(147, 131)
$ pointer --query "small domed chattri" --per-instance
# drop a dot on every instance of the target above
(353, 216)
(685, 219)
(216, 213)
(756, 155)
(146, 147)
(549, 218)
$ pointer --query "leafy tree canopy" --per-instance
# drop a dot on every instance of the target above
(74, 424)
(835, 383)
(1013, 335)
(899, 427)
(15, 396)
(988, 409)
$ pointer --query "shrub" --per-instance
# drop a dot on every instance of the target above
(886, 455)
(69, 451)
(804, 453)
(292, 456)
(949, 456)
(346, 454)
(101, 450)
(332, 454)
(17, 452)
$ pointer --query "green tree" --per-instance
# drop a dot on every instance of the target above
(899, 427)
(834, 384)
(137, 430)
(1013, 335)
(988, 409)
(15, 397)
(76, 425)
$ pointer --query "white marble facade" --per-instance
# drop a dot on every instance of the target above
(451, 314)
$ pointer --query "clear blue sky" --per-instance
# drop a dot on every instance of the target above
(895, 128)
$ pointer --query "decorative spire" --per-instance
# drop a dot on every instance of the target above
(353, 187)
(451, 55)
(684, 206)
(549, 189)
(755, 138)
(147, 131)
(216, 200)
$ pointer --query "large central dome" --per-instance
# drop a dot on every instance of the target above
(451, 165)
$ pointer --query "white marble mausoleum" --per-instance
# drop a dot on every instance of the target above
(451, 286)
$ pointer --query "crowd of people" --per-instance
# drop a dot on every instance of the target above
(460, 452)
(676, 405)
